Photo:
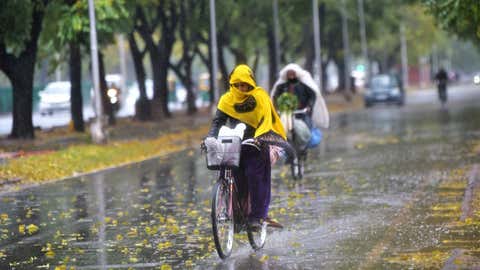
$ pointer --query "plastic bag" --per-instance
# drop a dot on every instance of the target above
(316, 138)
(302, 133)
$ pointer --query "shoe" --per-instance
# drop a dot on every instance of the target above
(273, 223)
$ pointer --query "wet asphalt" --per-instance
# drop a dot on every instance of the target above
(382, 191)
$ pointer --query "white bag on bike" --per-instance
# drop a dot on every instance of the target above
(302, 133)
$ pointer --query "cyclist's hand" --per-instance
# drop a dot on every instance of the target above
(203, 146)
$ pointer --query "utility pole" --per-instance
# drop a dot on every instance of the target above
(213, 38)
(96, 128)
(276, 34)
(403, 52)
(346, 48)
(363, 38)
(318, 53)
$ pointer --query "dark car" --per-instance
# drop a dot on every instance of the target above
(384, 88)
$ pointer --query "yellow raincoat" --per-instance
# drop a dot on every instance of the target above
(253, 107)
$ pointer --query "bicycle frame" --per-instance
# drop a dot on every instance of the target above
(234, 205)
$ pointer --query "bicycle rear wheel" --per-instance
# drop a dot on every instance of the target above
(257, 237)
(297, 168)
(222, 219)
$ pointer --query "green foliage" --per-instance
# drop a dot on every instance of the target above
(461, 17)
(15, 23)
(65, 23)
(287, 102)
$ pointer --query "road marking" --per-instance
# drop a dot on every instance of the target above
(473, 180)
(467, 212)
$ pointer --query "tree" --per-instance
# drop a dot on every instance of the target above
(191, 24)
(19, 32)
(163, 15)
(461, 17)
(61, 34)
(67, 24)
(143, 110)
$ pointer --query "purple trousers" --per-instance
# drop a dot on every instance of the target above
(254, 179)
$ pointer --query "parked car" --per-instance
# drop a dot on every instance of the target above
(384, 88)
(55, 97)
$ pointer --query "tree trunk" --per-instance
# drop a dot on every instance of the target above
(212, 76)
(321, 12)
(142, 105)
(256, 59)
(188, 41)
(22, 84)
(309, 48)
(272, 60)
(223, 66)
(239, 55)
(160, 52)
(163, 94)
(107, 106)
(76, 108)
(156, 104)
(191, 107)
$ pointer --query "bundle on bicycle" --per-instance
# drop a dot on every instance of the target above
(241, 195)
(302, 111)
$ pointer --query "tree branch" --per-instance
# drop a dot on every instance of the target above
(176, 69)
(202, 56)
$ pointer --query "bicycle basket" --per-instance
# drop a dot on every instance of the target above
(225, 153)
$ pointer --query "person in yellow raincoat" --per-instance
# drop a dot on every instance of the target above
(247, 103)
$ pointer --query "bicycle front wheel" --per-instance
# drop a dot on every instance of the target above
(222, 219)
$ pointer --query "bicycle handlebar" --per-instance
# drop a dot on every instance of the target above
(301, 111)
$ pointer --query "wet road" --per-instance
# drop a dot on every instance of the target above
(382, 192)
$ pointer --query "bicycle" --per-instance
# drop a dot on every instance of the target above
(442, 93)
(229, 215)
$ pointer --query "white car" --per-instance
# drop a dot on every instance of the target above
(55, 97)
(476, 79)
